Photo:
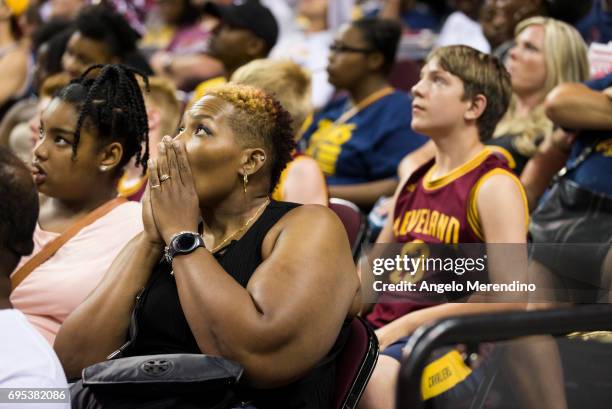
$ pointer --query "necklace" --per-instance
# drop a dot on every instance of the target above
(243, 228)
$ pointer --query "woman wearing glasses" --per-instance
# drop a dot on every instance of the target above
(359, 140)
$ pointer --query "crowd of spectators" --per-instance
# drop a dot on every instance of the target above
(167, 166)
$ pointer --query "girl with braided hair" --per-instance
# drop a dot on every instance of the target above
(88, 133)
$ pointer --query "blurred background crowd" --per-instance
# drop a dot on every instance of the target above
(344, 69)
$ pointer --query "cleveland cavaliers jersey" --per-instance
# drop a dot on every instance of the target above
(437, 211)
(444, 210)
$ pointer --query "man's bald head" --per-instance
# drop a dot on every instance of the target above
(18, 207)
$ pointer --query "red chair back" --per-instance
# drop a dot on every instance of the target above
(355, 365)
(354, 221)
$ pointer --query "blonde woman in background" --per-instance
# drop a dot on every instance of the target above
(547, 52)
(302, 180)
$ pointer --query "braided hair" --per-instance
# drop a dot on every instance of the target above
(111, 103)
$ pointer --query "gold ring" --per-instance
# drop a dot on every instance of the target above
(155, 186)
(163, 178)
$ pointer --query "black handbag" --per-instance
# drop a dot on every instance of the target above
(162, 374)
(157, 381)
(571, 234)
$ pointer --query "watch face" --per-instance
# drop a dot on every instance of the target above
(186, 242)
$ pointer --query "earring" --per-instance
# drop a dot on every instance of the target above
(245, 181)
(103, 168)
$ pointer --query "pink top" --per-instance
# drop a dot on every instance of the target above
(53, 290)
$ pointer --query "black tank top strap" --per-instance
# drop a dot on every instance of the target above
(239, 259)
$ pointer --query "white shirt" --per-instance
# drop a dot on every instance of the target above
(284, 15)
(27, 360)
(459, 29)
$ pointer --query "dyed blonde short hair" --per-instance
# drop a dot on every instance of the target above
(287, 81)
(481, 74)
(258, 120)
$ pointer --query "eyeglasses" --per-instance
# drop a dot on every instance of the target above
(341, 48)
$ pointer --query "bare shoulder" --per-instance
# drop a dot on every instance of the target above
(305, 165)
(17, 58)
(310, 216)
(499, 184)
(502, 207)
(315, 224)
(498, 190)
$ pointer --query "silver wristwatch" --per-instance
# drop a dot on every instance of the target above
(184, 242)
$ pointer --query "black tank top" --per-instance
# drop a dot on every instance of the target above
(507, 142)
(163, 328)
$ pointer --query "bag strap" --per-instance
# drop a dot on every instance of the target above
(570, 166)
(52, 247)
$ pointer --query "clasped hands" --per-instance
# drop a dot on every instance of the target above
(170, 203)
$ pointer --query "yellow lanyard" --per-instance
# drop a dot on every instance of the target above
(372, 98)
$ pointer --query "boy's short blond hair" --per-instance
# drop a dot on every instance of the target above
(287, 81)
(481, 74)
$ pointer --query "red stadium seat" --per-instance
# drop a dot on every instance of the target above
(355, 365)
(354, 221)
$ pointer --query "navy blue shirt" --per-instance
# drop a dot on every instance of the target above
(419, 17)
(369, 146)
(597, 25)
(594, 173)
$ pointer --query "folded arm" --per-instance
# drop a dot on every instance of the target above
(576, 106)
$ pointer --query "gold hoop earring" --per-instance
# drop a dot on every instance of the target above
(245, 181)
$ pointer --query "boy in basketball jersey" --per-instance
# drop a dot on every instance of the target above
(466, 194)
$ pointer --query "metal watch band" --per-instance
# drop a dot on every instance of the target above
(170, 251)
